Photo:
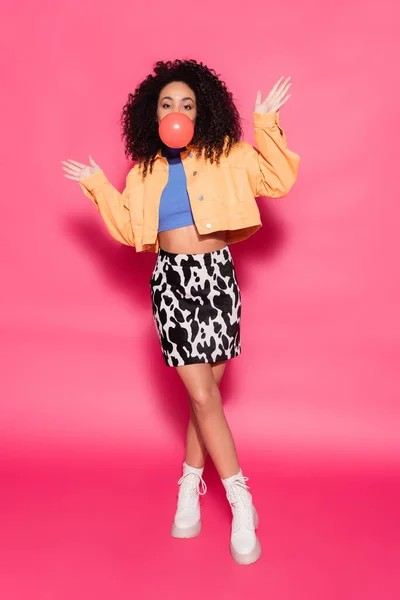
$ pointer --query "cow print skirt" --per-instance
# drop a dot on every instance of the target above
(196, 307)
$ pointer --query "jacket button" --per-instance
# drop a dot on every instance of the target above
(194, 172)
(208, 225)
(201, 197)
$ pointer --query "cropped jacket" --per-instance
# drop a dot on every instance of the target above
(222, 196)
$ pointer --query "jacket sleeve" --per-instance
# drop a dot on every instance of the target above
(112, 206)
(273, 168)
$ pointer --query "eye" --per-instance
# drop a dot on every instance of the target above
(188, 107)
(166, 105)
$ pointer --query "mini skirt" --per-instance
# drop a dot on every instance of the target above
(196, 307)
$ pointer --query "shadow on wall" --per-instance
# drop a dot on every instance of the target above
(130, 273)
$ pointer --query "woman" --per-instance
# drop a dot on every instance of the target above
(188, 205)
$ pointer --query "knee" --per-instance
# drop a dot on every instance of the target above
(205, 399)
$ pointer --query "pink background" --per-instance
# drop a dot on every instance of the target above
(91, 422)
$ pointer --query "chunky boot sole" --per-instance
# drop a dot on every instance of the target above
(247, 559)
(186, 532)
(250, 557)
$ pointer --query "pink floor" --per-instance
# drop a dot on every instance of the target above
(98, 527)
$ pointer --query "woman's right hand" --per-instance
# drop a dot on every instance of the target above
(77, 171)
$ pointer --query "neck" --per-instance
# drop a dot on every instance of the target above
(171, 152)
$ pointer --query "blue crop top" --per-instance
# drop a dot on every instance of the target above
(175, 208)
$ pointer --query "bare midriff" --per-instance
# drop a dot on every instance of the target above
(187, 240)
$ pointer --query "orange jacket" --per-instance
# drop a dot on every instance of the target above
(222, 197)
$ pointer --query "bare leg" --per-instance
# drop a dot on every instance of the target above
(213, 433)
(196, 451)
(212, 426)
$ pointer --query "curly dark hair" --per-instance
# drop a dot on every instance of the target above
(218, 126)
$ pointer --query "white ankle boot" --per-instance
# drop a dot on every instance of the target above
(187, 522)
(245, 547)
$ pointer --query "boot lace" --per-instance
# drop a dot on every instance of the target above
(190, 490)
(236, 494)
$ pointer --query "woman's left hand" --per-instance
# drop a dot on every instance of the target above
(275, 99)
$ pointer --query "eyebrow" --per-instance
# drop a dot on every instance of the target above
(183, 99)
